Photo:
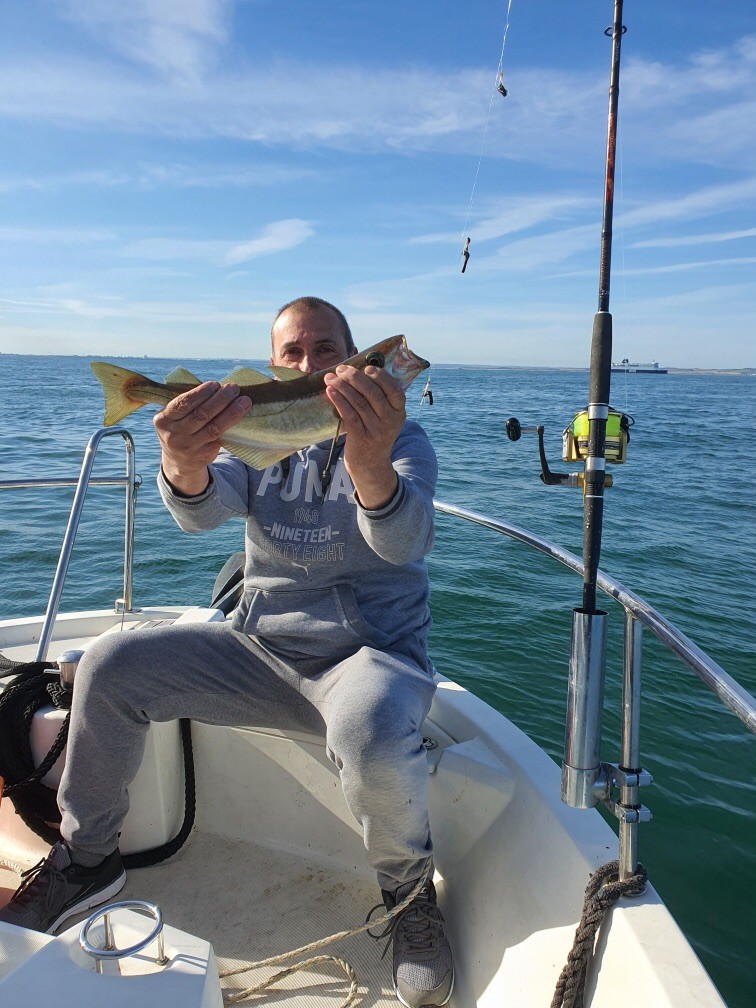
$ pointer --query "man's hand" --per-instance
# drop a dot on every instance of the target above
(371, 405)
(190, 428)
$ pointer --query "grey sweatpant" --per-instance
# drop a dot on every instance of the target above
(369, 705)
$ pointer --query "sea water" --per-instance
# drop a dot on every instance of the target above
(679, 530)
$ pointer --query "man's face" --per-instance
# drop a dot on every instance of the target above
(308, 340)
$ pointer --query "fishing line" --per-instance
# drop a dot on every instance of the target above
(497, 88)
(494, 90)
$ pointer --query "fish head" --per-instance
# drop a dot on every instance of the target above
(399, 361)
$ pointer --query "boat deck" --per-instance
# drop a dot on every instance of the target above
(282, 902)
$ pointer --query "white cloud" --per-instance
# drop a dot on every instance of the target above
(176, 39)
(195, 312)
(174, 175)
(687, 267)
(701, 202)
(43, 183)
(698, 239)
(551, 116)
(510, 216)
(276, 237)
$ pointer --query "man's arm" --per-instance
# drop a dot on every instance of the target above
(371, 405)
(402, 531)
(190, 428)
(394, 480)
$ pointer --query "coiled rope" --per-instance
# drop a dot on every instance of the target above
(234, 997)
(34, 685)
(34, 802)
(601, 894)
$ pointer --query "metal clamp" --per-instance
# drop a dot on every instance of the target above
(629, 813)
(109, 950)
(630, 778)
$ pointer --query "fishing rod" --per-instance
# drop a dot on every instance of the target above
(601, 349)
(599, 434)
(596, 436)
(585, 779)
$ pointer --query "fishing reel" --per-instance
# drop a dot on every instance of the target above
(575, 446)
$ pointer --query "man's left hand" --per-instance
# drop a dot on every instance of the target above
(371, 405)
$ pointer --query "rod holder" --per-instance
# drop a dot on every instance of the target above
(583, 776)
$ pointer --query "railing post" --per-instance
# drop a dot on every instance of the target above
(630, 743)
(128, 546)
(72, 527)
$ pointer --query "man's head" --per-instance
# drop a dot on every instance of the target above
(310, 334)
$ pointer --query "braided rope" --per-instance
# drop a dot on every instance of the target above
(46, 765)
(234, 997)
(229, 999)
(602, 892)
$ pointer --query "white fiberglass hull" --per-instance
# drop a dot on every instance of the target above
(276, 861)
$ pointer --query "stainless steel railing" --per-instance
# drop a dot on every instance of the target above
(627, 775)
(729, 691)
(130, 481)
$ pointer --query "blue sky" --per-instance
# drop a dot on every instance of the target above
(173, 172)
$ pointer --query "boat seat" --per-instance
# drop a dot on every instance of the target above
(156, 796)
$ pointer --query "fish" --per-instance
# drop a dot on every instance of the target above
(289, 411)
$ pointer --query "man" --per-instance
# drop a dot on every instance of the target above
(329, 639)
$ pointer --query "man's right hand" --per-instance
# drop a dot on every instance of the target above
(190, 428)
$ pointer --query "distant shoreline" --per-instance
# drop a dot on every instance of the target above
(726, 372)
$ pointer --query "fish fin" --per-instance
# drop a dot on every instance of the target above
(285, 373)
(116, 382)
(182, 377)
(246, 376)
(258, 458)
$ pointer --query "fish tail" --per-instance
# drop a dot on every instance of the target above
(121, 388)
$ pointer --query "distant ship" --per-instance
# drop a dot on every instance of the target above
(626, 367)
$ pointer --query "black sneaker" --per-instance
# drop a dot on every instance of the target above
(423, 969)
(56, 889)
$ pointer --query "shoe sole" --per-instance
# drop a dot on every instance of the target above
(93, 900)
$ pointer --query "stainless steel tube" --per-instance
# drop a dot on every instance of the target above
(631, 693)
(581, 769)
(62, 481)
(130, 519)
(630, 742)
(73, 524)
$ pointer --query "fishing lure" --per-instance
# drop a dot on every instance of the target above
(465, 255)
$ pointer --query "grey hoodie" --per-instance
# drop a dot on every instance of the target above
(323, 578)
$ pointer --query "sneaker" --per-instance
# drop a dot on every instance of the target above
(423, 969)
(56, 889)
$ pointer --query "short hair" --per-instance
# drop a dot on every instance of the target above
(315, 304)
